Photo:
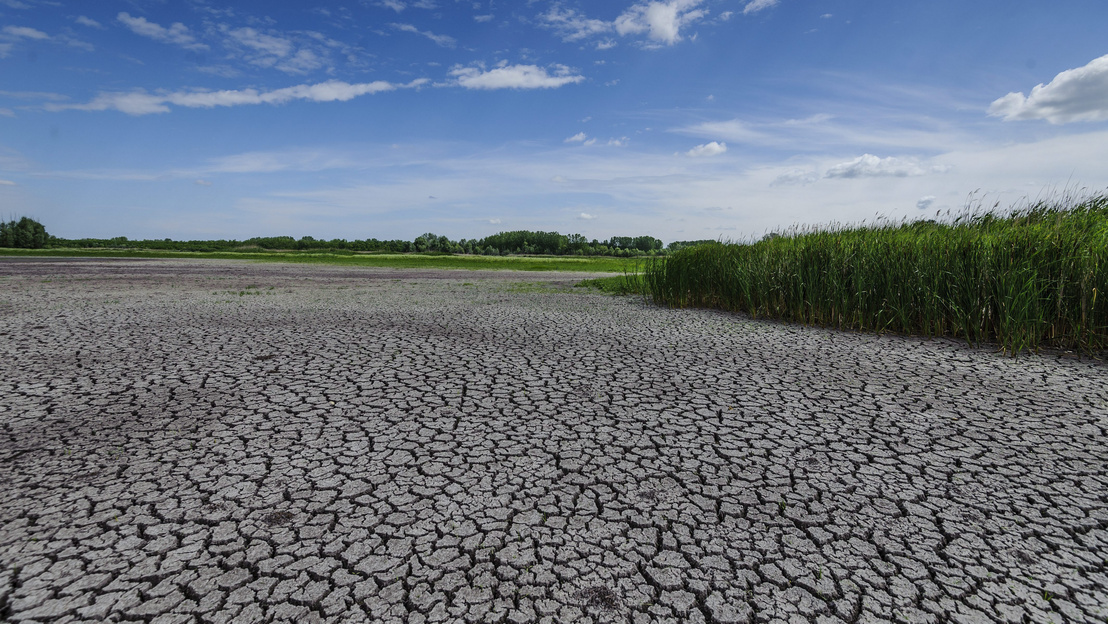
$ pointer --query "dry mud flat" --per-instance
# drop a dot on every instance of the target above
(372, 445)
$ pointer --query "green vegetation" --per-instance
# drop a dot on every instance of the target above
(627, 284)
(23, 234)
(520, 242)
(1032, 278)
(588, 264)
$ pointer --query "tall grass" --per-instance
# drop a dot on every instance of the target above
(1032, 277)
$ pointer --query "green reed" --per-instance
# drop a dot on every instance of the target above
(1028, 278)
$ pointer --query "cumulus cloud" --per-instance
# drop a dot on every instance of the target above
(445, 41)
(869, 166)
(708, 149)
(795, 177)
(757, 5)
(586, 216)
(577, 138)
(514, 77)
(1074, 95)
(143, 103)
(572, 26)
(177, 33)
(661, 21)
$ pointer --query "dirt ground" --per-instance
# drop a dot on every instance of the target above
(218, 441)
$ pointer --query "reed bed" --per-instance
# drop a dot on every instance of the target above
(1031, 277)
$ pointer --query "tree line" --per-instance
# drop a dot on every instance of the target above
(27, 233)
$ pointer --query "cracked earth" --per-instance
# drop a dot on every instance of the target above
(201, 441)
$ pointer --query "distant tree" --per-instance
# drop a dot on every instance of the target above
(24, 234)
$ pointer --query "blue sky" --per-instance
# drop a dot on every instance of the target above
(682, 119)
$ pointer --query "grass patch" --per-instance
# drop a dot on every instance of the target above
(626, 284)
(590, 264)
(1034, 277)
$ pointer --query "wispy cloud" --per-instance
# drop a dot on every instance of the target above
(868, 166)
(760, 5)
(795, 177)
(577, 138)
(273, 50)
(24, 32)
(87, 21)
(7, 183)
(177, 33)
(514, 77)
(573, 26)
(1074, 95)
(445, 41)
(144, 103)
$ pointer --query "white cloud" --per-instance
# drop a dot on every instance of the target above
(726, 15)
(23, 32)
(515, 77)
(577, 138)
(15, 4)
(202, 183)
(572, 26)
(925, 202)
(482, 18)
(708, 149)
(586, 216)
(445, 41)
(607, 44)
(494, 221)
(868, 166)
(7, 183)
(395, 5)
(7, 112)
(260, 42)
(795, 177)
(1074, 95)
(620, 142)
(87, 21)
(277, 52)
(177, 33)
(732, 130)
(661, 21)
(144, 103)
(5, 49)
(757, 5)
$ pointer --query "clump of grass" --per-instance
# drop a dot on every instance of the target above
(626, 284)
(1028, 278)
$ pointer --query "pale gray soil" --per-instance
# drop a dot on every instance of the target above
(376, 445)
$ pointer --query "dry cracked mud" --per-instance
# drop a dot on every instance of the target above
(189, 441)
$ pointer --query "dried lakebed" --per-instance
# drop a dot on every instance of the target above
(190, 441)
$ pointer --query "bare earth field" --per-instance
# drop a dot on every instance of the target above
(212, 441)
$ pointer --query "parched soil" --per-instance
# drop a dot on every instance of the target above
(214, 441)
